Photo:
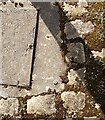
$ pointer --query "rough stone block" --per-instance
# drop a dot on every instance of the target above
(9, 106)
(74, 102)
(77, 28)
(41, 105)
(76, 52)
(70, 31)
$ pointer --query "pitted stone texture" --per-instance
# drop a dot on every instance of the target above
(83, 27)
(76, 52)
(73, 75)
(11, 92)
(77, 28)
(9, 106)
(73, 10)
(70, 31)
(49, 64)
(73, 102)
(17, 34)
(41, 105)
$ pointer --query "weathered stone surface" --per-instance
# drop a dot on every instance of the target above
(73, 10)
(76, 52)
(9, 106)
(77, 28)
(73, 75)
(17, 35)
(49, 64)
(74, 102)
(41, 105)
(70, 31)
(11, 91)
(83, 27)
(51, 19)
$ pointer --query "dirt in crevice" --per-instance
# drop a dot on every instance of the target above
(61, 111)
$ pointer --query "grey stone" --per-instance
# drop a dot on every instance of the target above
(70, 31)
(81, 73)
(50, 15)
(49, 65)
(41, 105)
(76, 51)
(9, 106)
(73, 102)
(77, 28)
(17, 34)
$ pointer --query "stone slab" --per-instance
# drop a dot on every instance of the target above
(50, 15)
(49, 66)
(17, 36)
(49, 63)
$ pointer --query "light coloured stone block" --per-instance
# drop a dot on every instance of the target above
(76, 52)
(73, 102)
(41, 105)
(9, 106)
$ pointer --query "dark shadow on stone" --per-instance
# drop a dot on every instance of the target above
(49, 14)
(95, 70)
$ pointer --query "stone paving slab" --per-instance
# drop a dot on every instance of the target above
(48, 67)
(17, 35)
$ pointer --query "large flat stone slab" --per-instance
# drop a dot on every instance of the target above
(17, 36)
(48, 67)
